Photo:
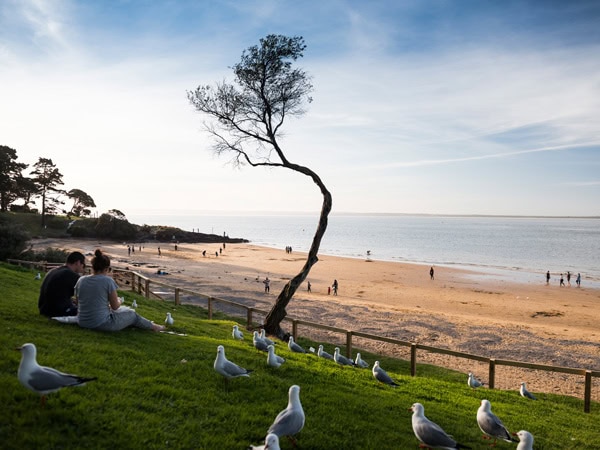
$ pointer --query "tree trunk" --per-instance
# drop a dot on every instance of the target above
(278, 312)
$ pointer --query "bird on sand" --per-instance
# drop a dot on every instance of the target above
(258, 343)
(169, 320)
(525, 393)
(525, 440)
(290, 421)
(429, 433)
(381, 375)
(43, 380)
(263, 336)
(473, 382)
(271, 443)
(341, 359)
(323, 354)
(295, 347)
(227, 368)
(491, 425)
(274, 360)
(237, 334)
(360, 362)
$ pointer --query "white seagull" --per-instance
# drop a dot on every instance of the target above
(295, 347)
(473, 382)
(429, 433)
(237, 334)
(341, 359)
(491, 425)
(273, 360)
(323, 354)
(263, 336)
(227, 368)
(258, 342)
(360, 362)
(169, 320)
(525, 393)
(134, 304)
(271, 443)
(381, 375)
(290, 421)
(525, 440)
(43, 380)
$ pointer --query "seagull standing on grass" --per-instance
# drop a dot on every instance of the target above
(473, 382)
(237, 334)
(525, 393)
(491, 425)
(43, 380)
(169, 320)
(525, 440)
(263, 336)
(290, 421)
(341, 359)
(360, 362)
(259, 343)
(323, 354)
(134, 304)
(429, 433)
(271, 443)
(228, 369)
(273, 360)
(295, 347)
(381, 375)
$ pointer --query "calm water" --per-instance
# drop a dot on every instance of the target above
(504, 247)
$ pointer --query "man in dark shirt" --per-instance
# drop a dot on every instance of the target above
(58, 288)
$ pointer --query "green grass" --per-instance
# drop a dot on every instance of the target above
(147, 397)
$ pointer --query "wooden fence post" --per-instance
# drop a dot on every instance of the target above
(132, 282)
(177, 297)
(139, 284)
(249, 318)
(147, 293)
(349, 344)
(413, 359)
(492, 373)
(210, 308)
(587, 396)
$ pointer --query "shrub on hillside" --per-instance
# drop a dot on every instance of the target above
(13, 240)
(51, 255)
(111, 227)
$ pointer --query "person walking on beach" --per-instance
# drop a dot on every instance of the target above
(578, 280)
(562, 280)
(335, 287)
(159, 251)
(267, 285)
(568, 278)
(547, 277)
(308, 286)
(431, 273)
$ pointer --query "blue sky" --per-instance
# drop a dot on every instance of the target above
(422, 106)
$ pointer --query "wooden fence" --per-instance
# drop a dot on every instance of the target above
(142, 285)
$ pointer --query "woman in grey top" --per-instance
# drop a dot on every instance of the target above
(99, 306)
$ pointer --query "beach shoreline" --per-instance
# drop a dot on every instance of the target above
(537, 323)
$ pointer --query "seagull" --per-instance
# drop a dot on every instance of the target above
(381, 375)
(323, 354)
(273, 360)
(227, 368)
(341, 359)
(263, 336)
(474, 382)
(429, 433)
(237, 334)
(290, 421)
(526, 440)
(169, 320)
(525, 393)
(259, 343)
(491, 425)
(134, 304)
(271, 443)
(360, 362)
(43, 380)
(295, 347)
(38, 276)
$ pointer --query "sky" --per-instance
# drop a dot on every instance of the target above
(419, 106)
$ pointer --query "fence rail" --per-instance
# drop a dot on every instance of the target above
(141, 284)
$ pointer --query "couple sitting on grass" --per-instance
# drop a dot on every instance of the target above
(98, 306)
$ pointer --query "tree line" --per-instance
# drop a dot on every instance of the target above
(44, 182)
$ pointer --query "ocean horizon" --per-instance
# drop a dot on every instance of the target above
(515, 248)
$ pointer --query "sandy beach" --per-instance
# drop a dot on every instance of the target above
(531, 322)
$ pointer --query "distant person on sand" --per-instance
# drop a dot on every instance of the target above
(159, 251)
(267, 285)
(99, 306)
(548, 277)
(431, 273)
(308, 286)
(58, 288)
(578, 280)
(335, 287)
(562, 280)
(569, 278)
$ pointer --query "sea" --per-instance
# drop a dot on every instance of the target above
(517, 249)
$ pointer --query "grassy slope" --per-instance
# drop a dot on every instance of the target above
(146, 397)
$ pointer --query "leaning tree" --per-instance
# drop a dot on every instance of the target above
(246, 118)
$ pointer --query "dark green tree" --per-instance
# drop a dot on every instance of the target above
(245, 120)
(10, 172)
(47, 178)
(81, 203)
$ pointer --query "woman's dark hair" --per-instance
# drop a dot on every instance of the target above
(100, 261)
